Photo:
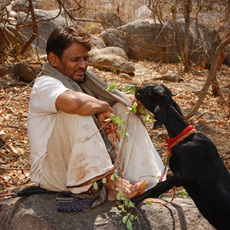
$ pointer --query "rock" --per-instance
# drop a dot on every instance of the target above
(140, 40)
(205, 128)
(23, 5)
(45, 27)
(111, 58)
(25, 72)
(39, 212)
(115, 38)
(172, 77)
(97, 42)
(142, 12)
(125, 76)
(108, 19)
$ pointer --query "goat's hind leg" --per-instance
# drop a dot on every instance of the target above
(160, 188)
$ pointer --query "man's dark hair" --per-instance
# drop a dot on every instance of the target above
(63, 37)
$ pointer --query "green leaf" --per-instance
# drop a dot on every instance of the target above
(95, 186)
(125, 201)
(149, 202)
(115, 175)
(112, 115)
(122, 132)
(142, 110)
(131, 204)
(119, 196)
(122, 207)
(124, 219)
(134, 109)
(108, 119)
(112, 87)
(112, 177)
(129, 109)
(129, 225)
(131, 217)
(104, 180)
(129, 89)
(117, 119)
(126, 137)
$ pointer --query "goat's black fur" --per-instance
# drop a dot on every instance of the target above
(195, 161)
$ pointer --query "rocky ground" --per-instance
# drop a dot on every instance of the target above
(212, 117)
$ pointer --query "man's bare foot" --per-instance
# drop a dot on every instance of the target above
(128, 189)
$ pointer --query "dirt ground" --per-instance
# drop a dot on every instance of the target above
(212, 117)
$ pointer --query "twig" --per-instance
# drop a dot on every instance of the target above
(15, 95)
(13, 168)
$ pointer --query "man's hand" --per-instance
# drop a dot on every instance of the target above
(102, 117)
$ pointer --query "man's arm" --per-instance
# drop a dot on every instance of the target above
(80, 103)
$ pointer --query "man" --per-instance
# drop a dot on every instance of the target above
(67, 106)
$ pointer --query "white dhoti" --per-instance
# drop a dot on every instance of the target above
(77, 154)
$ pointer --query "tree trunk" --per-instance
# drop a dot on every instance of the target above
(211, 75)
(187, 10)
(173, 10)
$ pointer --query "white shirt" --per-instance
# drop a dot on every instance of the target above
(41, 119)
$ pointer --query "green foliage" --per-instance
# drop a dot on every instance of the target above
(183, 193)
(180, 58)
(112, 87)
(133, 109)
(128, 218)
(126, 203)
(171, 6)
(129, 89)
(95, 185)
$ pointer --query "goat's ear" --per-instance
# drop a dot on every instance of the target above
(160, 116)
(167, 90)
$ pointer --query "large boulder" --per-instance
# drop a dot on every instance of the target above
(142, 12)
(39, 212)
(45, 27)
(108, 19)
(111, 58)
(145, 39)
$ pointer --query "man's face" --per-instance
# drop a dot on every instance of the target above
(74, 62)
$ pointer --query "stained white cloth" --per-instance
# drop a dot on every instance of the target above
(64, 157)
(41, 119)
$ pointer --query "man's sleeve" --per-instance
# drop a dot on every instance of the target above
(44, 94)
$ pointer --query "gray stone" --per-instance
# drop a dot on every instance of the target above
(45, 27)
(39, 212)
(25, 72)
(111, 58)
(109, 19)
(141, 40)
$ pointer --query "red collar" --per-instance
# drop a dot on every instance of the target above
(170, 142)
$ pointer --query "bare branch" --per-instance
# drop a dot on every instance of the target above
(212, 73)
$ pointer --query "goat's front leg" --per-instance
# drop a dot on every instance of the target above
(160, 188)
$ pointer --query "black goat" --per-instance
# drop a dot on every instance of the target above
(195, 161)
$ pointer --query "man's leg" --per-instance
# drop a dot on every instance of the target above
(76, 154)
(139, 158)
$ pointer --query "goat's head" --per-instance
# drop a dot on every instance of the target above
(155, 98)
